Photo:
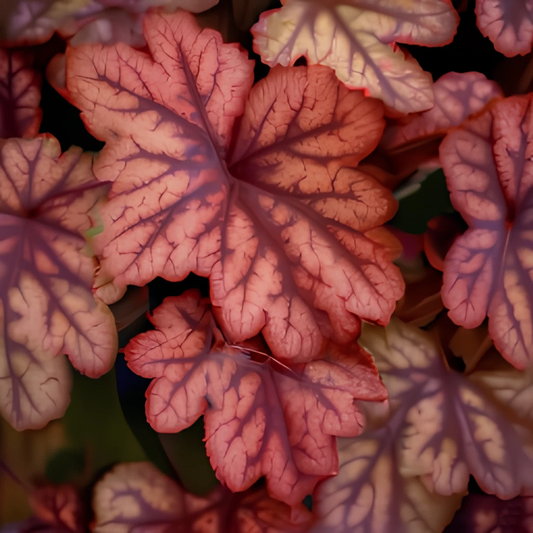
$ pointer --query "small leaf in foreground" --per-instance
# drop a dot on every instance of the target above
(488, 270)
(276, 216)
(137, 497)
(262, 418)
(357, 38)
(46, 303)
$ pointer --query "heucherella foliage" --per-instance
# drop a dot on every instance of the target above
(137, 497)
(271, 210)
(357, 39)
(27, 22)
(508, 24)
(46, 304)
(487, 272)
(443, 427)
(20, 93)
(261, 417)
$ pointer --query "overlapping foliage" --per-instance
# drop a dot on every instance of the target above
(276, 188)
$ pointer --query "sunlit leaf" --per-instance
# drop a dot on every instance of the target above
(20, 93)
(46, 304)
(457, 96)
(275, 216)
(357, 39)
(137, 497)
(261, 417)
(508, 24)
(488, 270)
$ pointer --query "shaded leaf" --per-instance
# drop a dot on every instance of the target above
(261, 417)
(481, 513)
(46, 304)
(275, 217)
(487, 271)
(457, 96)
(20, 93)
(450, 426)
(508, 24)
(137, 497)
(357, 38)
(246, 13)
(440, 234)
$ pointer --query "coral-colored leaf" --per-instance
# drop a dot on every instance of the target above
(275, 217)
(450, 427)
(488, 270)
(20, 94)
(357, 39)
(481, 513)
(261, 417)
(46, 304)
(369, 495)
(457, 96)
(137, 497)
(508, 24)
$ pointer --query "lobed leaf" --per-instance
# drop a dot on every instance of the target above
(137, 497)
(508, 24)
(261, 417)
(20, 94)
(487, 271)
(457, 96)
(275, 215)
(356, 38)
(46, 304)
(451, 427)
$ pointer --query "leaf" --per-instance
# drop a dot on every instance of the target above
(440, 234)
(509, 25)
(417, 209)
(137, 497)
(487, 271)
(274, 216)
(369, 495)
(480, 513)
(261, 417)
(46, 304)
(20, 93)
(246, 13)
(357, 38)
(457, 96)
(450, 427)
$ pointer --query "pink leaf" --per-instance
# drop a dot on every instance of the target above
(508, 24)
(137, 497)
(46, 304)
(457, 96)
(357, 38)
(20, 94)
(481, 513)
(275, 216)
(487, 271)
(448, 426)
(261, 417)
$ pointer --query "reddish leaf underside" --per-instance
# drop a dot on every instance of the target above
(357, 38)
(137, 497)
(20, 94)
(274, 216)
(261, 418)
(508, 24)
(488, 270)
(457, 96)
(46, 303)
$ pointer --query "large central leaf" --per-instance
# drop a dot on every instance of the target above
(261, 417)
(275, 215)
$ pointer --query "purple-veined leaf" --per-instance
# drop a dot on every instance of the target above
(357, 39)
(46, 304)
